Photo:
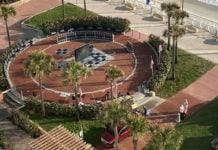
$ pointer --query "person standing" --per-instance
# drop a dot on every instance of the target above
(186, 107)
(182, 114)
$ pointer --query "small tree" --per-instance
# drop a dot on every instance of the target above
(36, 66)
(73, 73)
(169, 8)
(112, 74)
(113, 113)
(179, 15)
(138, 126)
(5, 12)
(164, 139)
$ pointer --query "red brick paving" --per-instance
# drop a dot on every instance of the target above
(96, 81)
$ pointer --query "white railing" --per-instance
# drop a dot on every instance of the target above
(85, 35)
(194, 20)
(211, 2)
(203, 23)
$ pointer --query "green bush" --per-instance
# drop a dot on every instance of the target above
(8, 1)
(155, 41)
(92, 21)
(3, 143)
(23, 122)
(160, 75)
(64, 110)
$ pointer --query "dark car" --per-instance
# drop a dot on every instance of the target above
(108, 137)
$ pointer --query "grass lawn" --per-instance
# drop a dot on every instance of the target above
(200, 128)
(56, 13)
(189, 68)
(92, 128)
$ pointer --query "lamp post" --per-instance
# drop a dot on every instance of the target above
(182, 4)
(182, 11)
(62, 2)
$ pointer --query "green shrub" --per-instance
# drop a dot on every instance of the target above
(159, 78)
(92, 21)
(8, 1)
(65, 110)
(160, 75)
(155, 41)
(23, 122)
(3, 143)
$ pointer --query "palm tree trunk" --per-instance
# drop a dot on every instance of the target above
(173, 61)
(168, 46)
(62, 2)
(135, 143)
(176, 52)
(41, 97)
(116, 137)
(85, 7)
(8, 34)
(76, 102)
(111, 91)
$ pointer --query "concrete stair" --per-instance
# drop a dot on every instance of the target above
(140, 99)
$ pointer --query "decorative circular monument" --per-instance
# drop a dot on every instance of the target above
(96, 55)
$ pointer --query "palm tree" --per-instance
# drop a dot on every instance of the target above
(113, 113)
(168, 8)
(178, 32)
(175, 31)
(74, 72)
(5, 12)
(62, 4)
(164, 139)
(179, 15)
(138, 125)
(36, 66)
(112, 74)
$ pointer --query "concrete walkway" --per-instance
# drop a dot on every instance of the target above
(198, 93)
(17, 138)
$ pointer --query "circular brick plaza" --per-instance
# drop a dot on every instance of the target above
(135, 67)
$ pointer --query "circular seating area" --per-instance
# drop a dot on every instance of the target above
(95, 86)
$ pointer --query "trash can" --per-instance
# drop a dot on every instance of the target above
(178, 118)
(152, 93)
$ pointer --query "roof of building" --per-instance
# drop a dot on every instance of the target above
(60, 138)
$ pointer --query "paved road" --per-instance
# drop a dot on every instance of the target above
(200, 9)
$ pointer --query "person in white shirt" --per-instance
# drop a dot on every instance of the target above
(182, 114)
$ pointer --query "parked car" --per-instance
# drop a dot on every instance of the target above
(108, 137)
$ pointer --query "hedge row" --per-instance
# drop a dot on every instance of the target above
(95, 22)
(7, 1)
(64, 110)
(160, 76)
(21, 120)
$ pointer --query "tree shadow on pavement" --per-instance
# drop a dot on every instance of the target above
(211, 41)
